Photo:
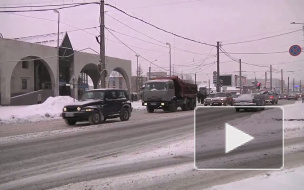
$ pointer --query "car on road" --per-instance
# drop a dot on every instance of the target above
(292, 96)
(222, 98)
(98, 105)
(207, 100)
(270, 97)
(283, 96)
(244, 101)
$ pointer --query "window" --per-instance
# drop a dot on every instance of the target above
(114, 83)
(24, 83)
(121, 94)
(111, 95)
(25, 64)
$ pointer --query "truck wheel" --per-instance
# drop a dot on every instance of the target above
(192, 104)
(173, 106)
(186, 107)
(70, 122)
(272, 102)
(124, 114)
(150, 109)
(95, 118)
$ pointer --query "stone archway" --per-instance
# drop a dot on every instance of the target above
(125, 76)
(31, 76)
(89, 70)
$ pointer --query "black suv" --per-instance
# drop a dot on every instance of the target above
(98, 105)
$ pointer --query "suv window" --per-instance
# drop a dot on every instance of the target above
(111, 94)
(121, 95)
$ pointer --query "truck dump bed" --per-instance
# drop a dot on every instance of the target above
(183, 89)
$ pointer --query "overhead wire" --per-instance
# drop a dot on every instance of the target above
(154, 26)
(135, 51)
(259, 39)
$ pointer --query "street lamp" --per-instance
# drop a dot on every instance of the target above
(57, 90)
(301, 24)
(150, 69)
(169, 55)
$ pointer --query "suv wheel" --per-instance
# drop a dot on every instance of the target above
(95, 118)
(150, 109)
(124, 114)
(70, 122)
(237, 109)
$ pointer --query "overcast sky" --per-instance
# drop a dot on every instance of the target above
(207, 21)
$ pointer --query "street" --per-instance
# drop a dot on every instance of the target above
(53, 159)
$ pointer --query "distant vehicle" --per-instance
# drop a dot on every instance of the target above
(270, 97)
(222, 98)
(169, 93)
(283, 96)
(98, 105)
(292, 96)
(249, 100)
(234, 96)
(207, 100)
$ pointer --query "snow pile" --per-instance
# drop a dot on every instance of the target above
(137, 106)
(287, 179)
(51, 108)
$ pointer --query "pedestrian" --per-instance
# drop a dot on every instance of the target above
(199, 97)
(39, 99)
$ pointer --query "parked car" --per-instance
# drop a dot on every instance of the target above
(283, 96)
(244, 101)
(292, 96)
(222, 98)
(98, 105)
(207, 100)
(270, 97)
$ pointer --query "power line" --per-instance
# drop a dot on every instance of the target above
(134, 50)
(48, 9)
(161, 29)
(257, 53)
(286, 33)
(49, 5)
(165, 4)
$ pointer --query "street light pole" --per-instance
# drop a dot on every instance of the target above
(137, 73)
(169, 55)
(57, 74)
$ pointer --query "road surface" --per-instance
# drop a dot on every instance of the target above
(48, 159)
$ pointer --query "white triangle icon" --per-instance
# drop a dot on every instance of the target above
(235, 138)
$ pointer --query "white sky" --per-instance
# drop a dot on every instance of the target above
(204, 20)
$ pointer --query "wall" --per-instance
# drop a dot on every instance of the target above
(20, 73)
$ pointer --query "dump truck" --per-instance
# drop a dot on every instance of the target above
(169, 93)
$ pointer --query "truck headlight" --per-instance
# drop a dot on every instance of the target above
(222, 99)
(78, 109)
(145, 104)
(64, 109)
(162, 104)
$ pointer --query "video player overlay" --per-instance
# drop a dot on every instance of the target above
(250, 138)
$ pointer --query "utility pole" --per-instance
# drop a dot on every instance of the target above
(150, 72)
(300, 86)
(169, 56)
(270, 77)
(282, 87)
(218, 67)
(288, 86)
(240, 76)
(293, 85)
(265, 79)
(209, 85)
(137, 73)
(195, 78)
(102, 47)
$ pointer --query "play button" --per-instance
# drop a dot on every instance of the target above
(235, 138)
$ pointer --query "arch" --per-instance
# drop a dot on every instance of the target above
(125, 76)
(37, 74)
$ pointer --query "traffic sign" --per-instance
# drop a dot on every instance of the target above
(295, 50)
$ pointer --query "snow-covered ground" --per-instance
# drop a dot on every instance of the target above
(285, 179)
(282, 180)
(50, 109)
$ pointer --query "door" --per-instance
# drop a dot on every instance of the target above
(110, 102)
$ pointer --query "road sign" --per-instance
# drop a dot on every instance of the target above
(295, 50)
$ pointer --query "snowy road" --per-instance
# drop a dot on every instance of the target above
(113, 151)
